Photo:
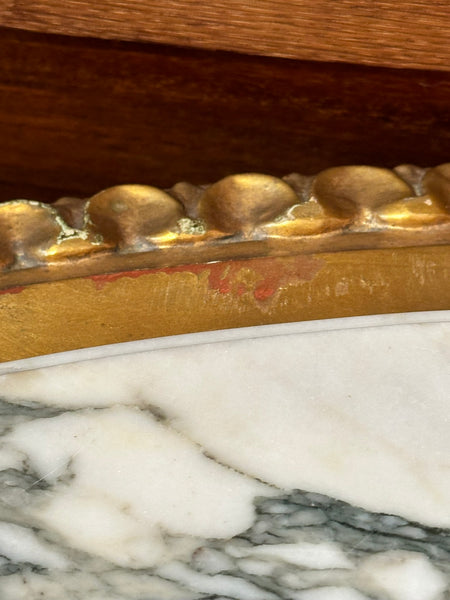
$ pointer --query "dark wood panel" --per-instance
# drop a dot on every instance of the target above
(77, 115)
(394, 33)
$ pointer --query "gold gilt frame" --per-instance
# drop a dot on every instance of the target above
(135, 262)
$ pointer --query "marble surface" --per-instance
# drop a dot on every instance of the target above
(306, 461)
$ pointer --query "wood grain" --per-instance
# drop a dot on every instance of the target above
(393, 33)
(79, 115)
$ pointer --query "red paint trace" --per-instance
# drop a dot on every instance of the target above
(261, 277)
(13, 290)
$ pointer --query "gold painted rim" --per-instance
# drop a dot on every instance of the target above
(77, 313)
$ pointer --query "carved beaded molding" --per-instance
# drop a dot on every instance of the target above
(241, 216)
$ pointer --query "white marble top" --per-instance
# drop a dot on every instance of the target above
(301, 461)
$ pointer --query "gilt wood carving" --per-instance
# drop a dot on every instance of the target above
(134, 261)
(241, 216)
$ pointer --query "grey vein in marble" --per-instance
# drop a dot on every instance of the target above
(311, 466)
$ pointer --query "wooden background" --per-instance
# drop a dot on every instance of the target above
(78, 115)
(394, 33)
